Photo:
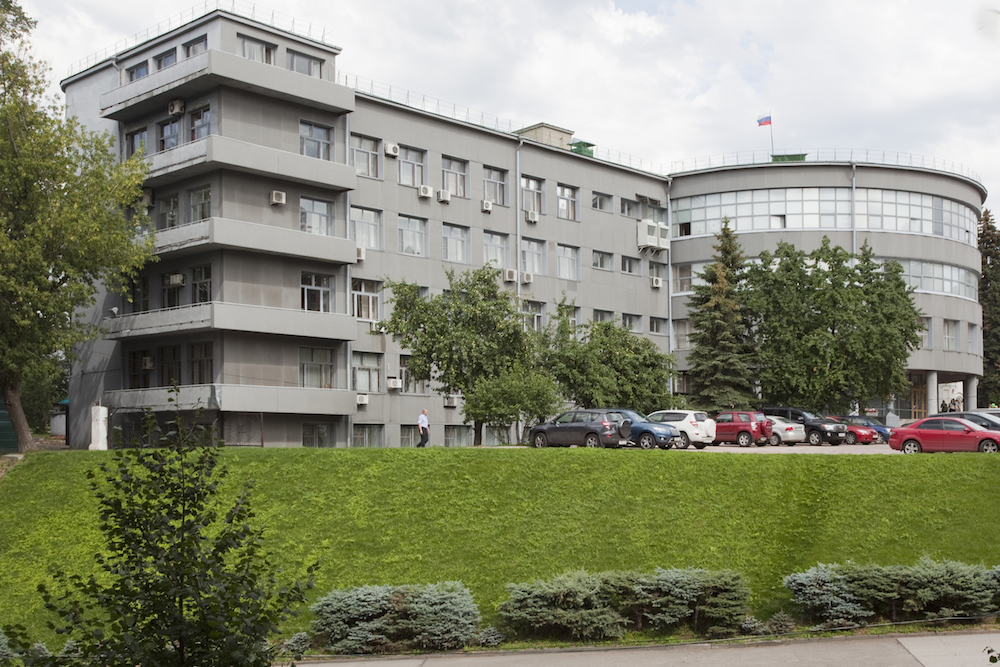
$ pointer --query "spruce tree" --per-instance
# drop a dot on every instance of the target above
(989, 299)
(721, 358)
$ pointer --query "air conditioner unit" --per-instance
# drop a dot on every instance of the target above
(147, 197)
(175, 279)
(425, 191)
(378, 328)
(444, 196)
(527, 278)
(510, 275)
(147, 363)
(487, 206)
(531, 216)
(394, 383)
(277, 198)
(361, 253)
(451, 401)
(176, 108)
(647, 234)
(362, 399)
(656, 282)
(392, 150)
(664, 235)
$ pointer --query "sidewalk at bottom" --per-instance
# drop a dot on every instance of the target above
(950, 649)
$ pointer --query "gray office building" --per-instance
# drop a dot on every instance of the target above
(284, 193)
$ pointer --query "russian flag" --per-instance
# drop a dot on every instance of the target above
(764, 120)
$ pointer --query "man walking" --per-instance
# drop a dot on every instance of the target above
(424, 428)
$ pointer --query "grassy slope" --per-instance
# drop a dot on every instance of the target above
(497, 516)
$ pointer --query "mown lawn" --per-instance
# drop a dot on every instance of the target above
(489, 517)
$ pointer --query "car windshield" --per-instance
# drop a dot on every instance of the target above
(759, 417)
(808, 415)
(632, 416)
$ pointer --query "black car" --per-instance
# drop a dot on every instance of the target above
(587, 428)
(818, 429)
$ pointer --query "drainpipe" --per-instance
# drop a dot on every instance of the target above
(854, 206)
(517, 216)
(669, 276)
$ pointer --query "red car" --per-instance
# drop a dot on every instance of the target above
(743, 428)
(943, 434)
(856, 433)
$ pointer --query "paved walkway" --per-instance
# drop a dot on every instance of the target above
(947, 649)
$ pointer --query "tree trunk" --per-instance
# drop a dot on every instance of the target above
(12, 397)
(477, 439)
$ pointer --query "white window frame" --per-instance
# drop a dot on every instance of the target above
(534, 312)
(569, 262)
(568, 202)
(257, 50)
(317, 367)
(950, 337)
(495, 185)
(201, 203)
(366, 156)
(201, 284)
(138, 71)
(370, 436)
(316, 138)
(631, 266)
(166, 59)
(602, 202)
(603, 315)
(533, 194)
(319, 434)
(414, 231)
(496, 249)
(630, 208)
(410, 386)
(196, 46)
(313, 219)
(366, 226)
(166, 140)
(201, 363)
(454, 176)
(455, 243)
(604, 261)
(366, 372)
(683, 275)
(201, 123)
(534, 250)
(457, 435)
(295, 59)
(659, 326)
(168, 209)
(632, 322)
(366, 299)
(317, 292)
(411, 166)
(682, 334)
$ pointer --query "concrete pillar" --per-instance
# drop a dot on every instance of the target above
(971, 392)
(98, 427)
(932, 393)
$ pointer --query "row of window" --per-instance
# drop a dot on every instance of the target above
(172, 289)
(373, 435)
(167, 58)
(197, 124)
(951, 336)
(168, 367)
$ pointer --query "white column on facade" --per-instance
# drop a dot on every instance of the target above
(971, 393)
(932, 394)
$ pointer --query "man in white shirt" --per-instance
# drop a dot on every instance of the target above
(424, 428)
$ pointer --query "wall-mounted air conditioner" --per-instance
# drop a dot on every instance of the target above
(531, 216)
(362, 399)
(451, 401)
(176, 108)
(664, 235)
(527, 278)
(378, 328)
(391, 150)
(394, 383)
(147, 363)
(175, 279)
(444, 196)
(510, 275)
(656, 282)
(425, 191)
(278, 198)
(647, 234)
(362, 251)
(487, 206)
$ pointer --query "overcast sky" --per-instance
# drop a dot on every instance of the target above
(659, 80)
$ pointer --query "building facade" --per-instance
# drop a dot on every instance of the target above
(282, 199)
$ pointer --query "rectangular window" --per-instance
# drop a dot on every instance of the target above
(170, 294)
(682, 383)
(166, 59)
(201, 284)
(681, 333)
(410, 386)
(533, 256)
(973, 347)
(201, 204)
(169, 133)
(630, 208)
(315, 140)
(140, 294)
(367, 227)
(682, 278)
(531, 194)
(567, 197)
(317, 292)
(453, 175)
(604, 261)
(534, 314)
(139, 371)
(319, 435)
(368, 435)
(601, 202)
(170, 366)
(135, 142)
(656, 213)
(411, 166)
(658, 326)
(366, 371)
(569, 262)
(412, 232)
(631, 265)
(139, 71)
(168, 211)
(572, 314)
(950, 335)
(456, 243)
(316, 366)
(603, 315)
(364, 152)
(408, 435)
(926, 340)
(495, 185)
(254, 49)
(201, 364)
(657, 269)
(457, 436)
(199, 45)
(303, 64)
(316, 216)
(201, 123)
(632, 322)
(366, 295)
(495, 249)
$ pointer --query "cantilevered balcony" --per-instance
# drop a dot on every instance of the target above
(236, 398)
(224, 316)
(225, 233)
(216, 152)
(207, 71)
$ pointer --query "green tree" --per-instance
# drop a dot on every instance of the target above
(65, 221)
(183, 581)
(516, 395)
(472, 332)
(722, 358)
(46, 382)
(989, 299)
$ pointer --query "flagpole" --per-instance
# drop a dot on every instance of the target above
(771, 125)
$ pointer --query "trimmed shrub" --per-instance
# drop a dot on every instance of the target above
(949, 588)
(298, 644)
(723, 602)
(752, 626)
(822, 593)
(877, 588)
(781, 623)
(668, 596)
(369, 619)
(490, 637)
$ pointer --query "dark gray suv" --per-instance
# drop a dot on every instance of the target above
(587, 428)
(818, 429)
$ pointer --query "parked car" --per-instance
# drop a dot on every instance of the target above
(696, 427)
(742, 427)
(943, 434)
(855, 432)
(588, 428)
(881, 430)
(818, 429)
(648, 434)
(786, 431)
(986, 420)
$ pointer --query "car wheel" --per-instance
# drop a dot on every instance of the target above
(775, 440)
(989, 446)
(744, 439)
(815, 438)
(911, 447)
(852, 438)
(699, 445)
(646, 441)
(540, 440)
(685, 441)
(592, 440)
